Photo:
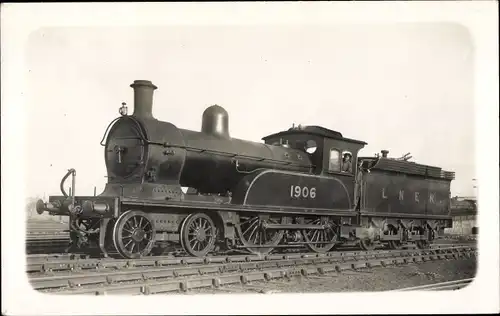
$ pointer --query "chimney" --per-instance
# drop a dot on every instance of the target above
(384, 153)
(143, 98)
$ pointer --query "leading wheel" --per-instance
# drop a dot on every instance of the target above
(134, 234)
(198, 234)
(320, 240)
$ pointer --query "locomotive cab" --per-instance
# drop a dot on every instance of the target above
(327, 149)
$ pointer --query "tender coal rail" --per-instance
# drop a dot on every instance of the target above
(182, 277)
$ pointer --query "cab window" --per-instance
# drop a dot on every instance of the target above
(347, 161)
(334, 160)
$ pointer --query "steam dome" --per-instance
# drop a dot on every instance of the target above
(215, 121)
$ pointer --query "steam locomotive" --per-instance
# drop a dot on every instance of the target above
(302, 187)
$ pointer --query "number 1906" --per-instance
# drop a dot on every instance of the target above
(297, 191)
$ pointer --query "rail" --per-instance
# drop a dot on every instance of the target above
(448, 285)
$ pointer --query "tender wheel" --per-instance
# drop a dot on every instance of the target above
(320, 238)
(134, 234)
(198, 234)
(394, 244)
(252, 233)
(424, 244)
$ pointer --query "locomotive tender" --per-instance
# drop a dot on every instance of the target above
(294, 190)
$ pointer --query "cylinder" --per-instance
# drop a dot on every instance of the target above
(215, 121)
(143, 98)
(99, 207)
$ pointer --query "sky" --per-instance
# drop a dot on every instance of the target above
(400, 87)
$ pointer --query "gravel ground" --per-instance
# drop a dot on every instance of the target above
(375, 279)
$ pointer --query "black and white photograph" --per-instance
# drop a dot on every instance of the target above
(250, 158)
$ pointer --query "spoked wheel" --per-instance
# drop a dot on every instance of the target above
(252, 233)
(198, 234)
(134, 234)
(394, 244)
(367, 244)
(321, 240)
(423, 244)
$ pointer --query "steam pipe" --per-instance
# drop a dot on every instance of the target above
(73, 183)
(61, 185)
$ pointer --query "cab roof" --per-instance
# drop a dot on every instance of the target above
(313, 130)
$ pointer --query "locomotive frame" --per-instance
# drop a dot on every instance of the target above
(247, 196)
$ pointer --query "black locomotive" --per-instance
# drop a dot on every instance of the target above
(303, 187)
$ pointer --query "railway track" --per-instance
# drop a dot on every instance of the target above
(46, 243)
(157, 275)
(46, 236)
(74, 262)
(53, 260)
(449, 285)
